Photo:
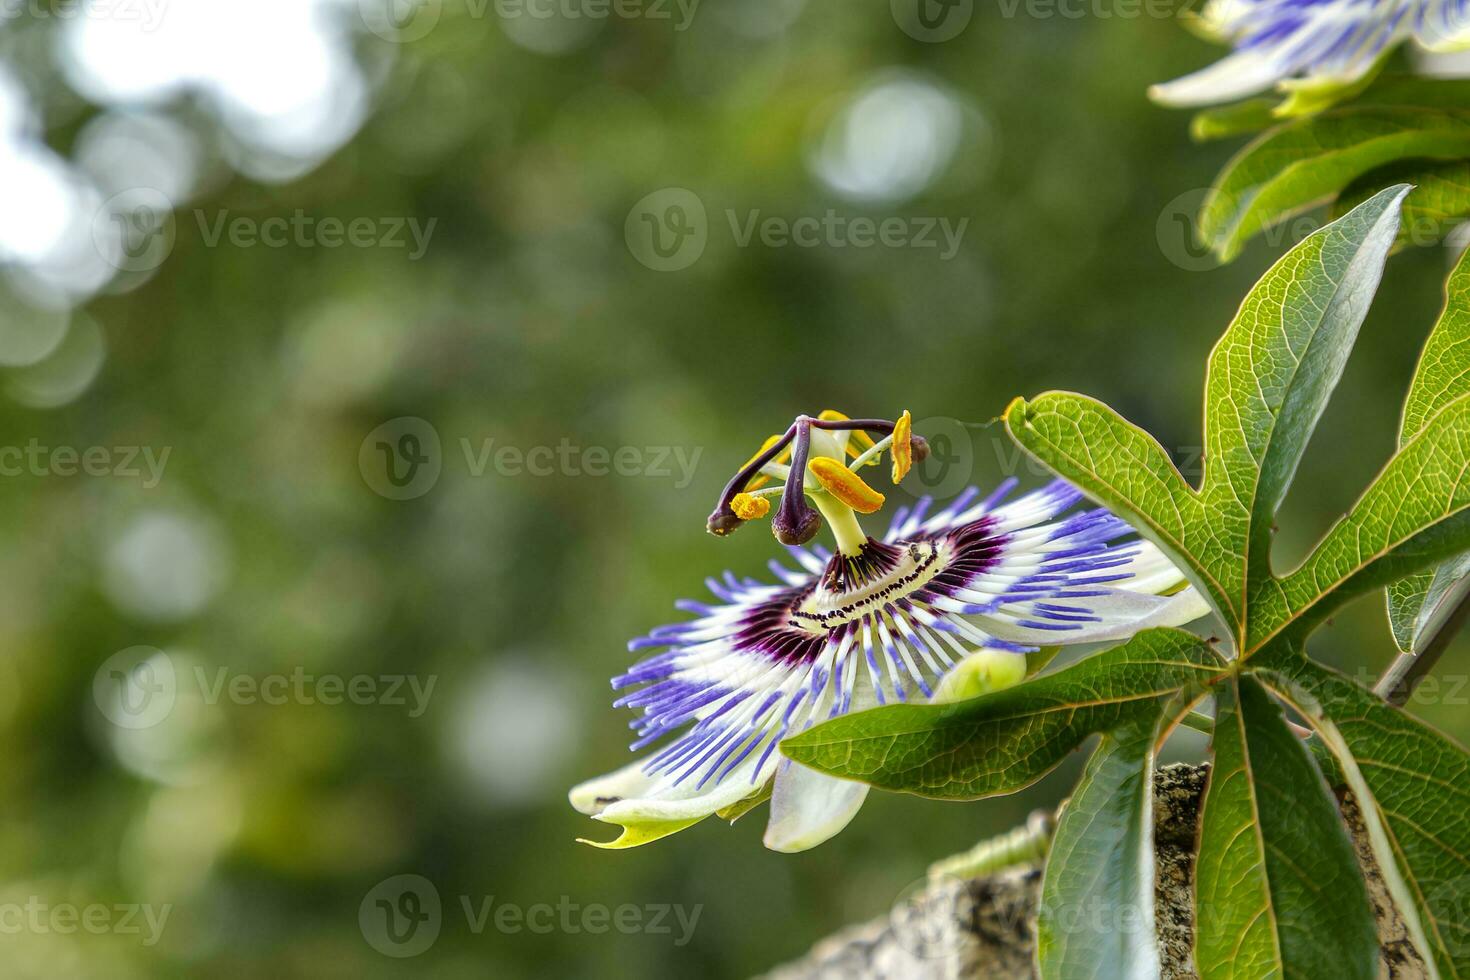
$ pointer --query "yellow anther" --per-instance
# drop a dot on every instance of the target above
(902, 449)
(748, 508)
(758, 480)
(857, 439)
(846, 485)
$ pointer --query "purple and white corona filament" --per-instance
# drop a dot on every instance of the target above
(945, 604)
(1311, 43)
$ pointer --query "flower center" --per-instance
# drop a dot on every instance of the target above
(859, 585)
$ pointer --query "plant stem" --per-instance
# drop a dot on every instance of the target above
(1024, 845)
(1399, 681)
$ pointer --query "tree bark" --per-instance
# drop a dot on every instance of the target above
(956, 929)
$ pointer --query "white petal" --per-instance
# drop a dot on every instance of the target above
(809, 807)
(1123, 613)
(1232, 77)
(1152, 571)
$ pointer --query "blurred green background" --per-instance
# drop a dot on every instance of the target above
(267, 547)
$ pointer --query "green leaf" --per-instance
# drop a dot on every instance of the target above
(1414, 515)
(1304, 163)
(1096, 917)
(1279, 893)
(1222, 122)
(1002, 742)
(1438, 203)
(1442, 376)
(1416, 782)
(1270, 377)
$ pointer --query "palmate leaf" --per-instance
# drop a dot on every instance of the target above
(1002, 742)
(1269, 379)
(1301, 164)
(1278, 887)
(1413, 787)
(1096, 917)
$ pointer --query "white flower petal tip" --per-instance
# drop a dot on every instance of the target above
(809, 808)
(1233, 77)
(981, 673)
(596, 795)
